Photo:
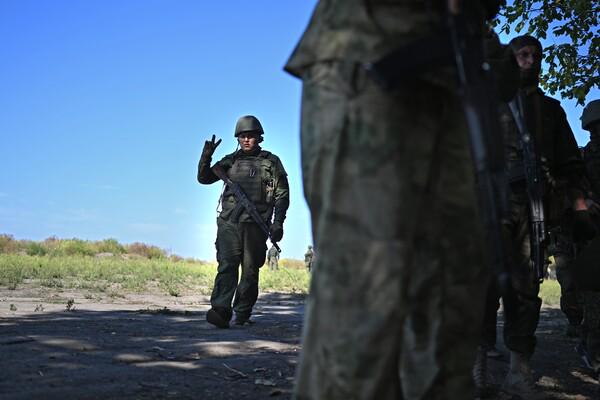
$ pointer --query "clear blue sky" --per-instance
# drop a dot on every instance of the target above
(105, 106)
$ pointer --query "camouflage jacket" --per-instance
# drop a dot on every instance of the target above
(366, 30)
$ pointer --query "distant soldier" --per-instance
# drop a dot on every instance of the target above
(308, 258)
(240, 238)
(273, 258)
(586, 265)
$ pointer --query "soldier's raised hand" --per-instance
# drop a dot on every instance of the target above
(209, 147)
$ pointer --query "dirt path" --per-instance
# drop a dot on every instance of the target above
(157, 347)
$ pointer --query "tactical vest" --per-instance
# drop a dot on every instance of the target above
(256, 175)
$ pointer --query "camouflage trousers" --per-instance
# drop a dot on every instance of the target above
(519, 325)
(394, 310)
(590, 332)
(571, 300)
(238, 244)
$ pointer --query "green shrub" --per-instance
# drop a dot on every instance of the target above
(110, 246)
(35, 249)
(73, 247)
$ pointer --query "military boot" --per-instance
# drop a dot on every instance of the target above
(519, 379)
(480, 373)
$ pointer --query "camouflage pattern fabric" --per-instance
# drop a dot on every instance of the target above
(395, 301)
(273, 258)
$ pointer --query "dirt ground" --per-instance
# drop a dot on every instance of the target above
(160, 347)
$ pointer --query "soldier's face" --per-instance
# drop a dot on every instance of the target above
(248, 141)
(528, 57)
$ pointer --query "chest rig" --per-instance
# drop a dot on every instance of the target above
(255, 175)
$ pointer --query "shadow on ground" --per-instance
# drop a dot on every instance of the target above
(150, 354)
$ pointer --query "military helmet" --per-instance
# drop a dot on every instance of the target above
(248, 123)
(591, 113)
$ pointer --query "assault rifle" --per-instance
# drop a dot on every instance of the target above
(535, 190)
(244, 203)
(459, 47)
(480, 105)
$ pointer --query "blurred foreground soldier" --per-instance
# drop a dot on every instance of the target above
(536, 165)
(240, 239)
(587, 264)
(308, 258)
(394, 310)
(273, 258)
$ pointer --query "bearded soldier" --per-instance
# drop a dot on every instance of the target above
(240, 239)
(394, 308)
(550, 146)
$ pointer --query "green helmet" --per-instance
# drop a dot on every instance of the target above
(591, 113)
(248, 123)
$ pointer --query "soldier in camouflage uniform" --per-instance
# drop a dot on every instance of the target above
(560, 159)
(239, 239)
(589, 276)
(394, 308)
(273, 258)
(308, 258)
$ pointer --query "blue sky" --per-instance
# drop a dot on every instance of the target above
(105, 106)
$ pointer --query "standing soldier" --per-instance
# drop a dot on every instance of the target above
(394, 309)
(586, 265)
(240, 239)
(557, 156)
(308, 258)
(273, 258)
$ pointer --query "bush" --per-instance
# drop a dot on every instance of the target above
(72, 247)
(144, 250)
(110, 246)
(8, 244)
(35, 249)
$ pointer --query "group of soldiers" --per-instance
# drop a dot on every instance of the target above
(396, 161)
(273, 258)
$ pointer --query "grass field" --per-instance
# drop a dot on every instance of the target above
(115, 275)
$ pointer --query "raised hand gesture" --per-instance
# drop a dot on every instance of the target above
(209, 147)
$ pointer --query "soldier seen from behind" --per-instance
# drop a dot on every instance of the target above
(541, 156)
(241, 238)
(394, 309)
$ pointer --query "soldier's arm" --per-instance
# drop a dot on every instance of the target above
(569, 164)
(281, 194)
(206, 175)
